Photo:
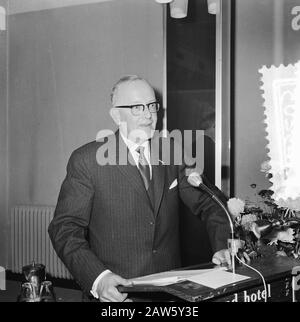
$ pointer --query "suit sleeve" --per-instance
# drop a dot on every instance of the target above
(69, 228)
(202, 205)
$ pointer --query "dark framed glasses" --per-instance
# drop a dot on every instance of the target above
(138, 109)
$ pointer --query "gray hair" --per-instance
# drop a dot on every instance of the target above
(123, 80)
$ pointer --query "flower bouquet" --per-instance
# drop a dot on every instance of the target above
(266, 229)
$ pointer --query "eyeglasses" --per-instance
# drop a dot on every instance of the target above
(138, 109)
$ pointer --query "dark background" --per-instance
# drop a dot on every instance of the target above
(191, 105)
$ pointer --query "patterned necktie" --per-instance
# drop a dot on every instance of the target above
(144, 167)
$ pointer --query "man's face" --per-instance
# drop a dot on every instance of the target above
(131, 93)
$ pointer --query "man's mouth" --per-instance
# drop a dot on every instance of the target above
(146, 124)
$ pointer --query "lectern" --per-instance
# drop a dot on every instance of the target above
(282, 276)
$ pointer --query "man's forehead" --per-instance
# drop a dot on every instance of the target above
(134, 90)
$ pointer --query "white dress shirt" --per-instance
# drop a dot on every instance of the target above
(132, 146)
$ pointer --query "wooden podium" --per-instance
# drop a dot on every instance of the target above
(280, 274)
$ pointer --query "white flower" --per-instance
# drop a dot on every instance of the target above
(286, 236)
(235, 206)
(265, 167)
(248, 219)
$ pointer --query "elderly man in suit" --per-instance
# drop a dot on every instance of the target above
(117, 221)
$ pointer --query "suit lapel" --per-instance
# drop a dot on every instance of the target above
(158, 174)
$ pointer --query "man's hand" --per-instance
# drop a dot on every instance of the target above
(107, 288)
(222, 257)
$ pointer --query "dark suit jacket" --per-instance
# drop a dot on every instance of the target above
(105, 220)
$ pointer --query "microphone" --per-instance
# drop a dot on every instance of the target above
(195, 180)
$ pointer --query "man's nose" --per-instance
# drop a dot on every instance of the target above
(147, 113)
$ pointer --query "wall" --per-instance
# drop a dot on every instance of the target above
(17, 6)
(263, 36)
(3, 142)
(63, 63)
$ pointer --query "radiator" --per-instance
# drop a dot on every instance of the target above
(30, 240)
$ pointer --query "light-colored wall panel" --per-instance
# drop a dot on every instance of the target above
(63, 63)
(19, 6)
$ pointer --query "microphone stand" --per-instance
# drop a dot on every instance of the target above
(219, 202)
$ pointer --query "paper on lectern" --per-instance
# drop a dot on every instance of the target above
(171, 277)
(217, 279)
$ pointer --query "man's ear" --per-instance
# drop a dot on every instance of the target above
(115, 115)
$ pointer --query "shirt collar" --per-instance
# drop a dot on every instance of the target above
(132, 146)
